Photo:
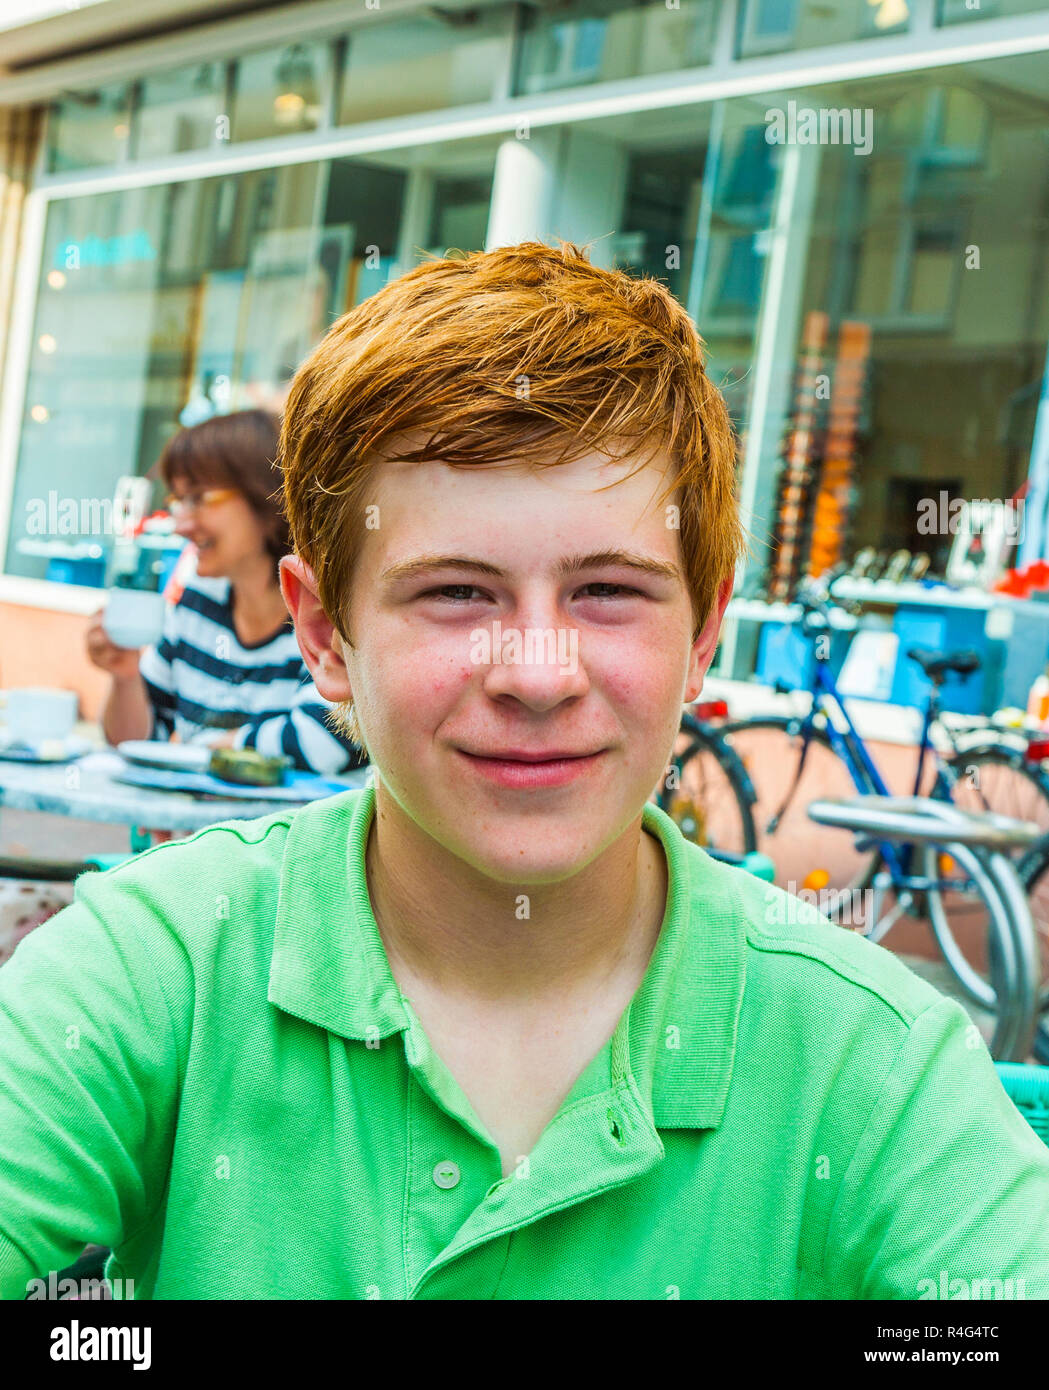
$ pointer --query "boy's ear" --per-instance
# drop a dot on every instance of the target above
(705, 645)
(319, 641)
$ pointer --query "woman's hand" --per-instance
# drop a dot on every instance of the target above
(209, 739)
(103, 652)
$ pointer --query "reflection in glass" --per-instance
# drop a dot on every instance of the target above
(204, 294)
(165, 304)
(781, 26)
(957, 11)
(279, 91)
(421, 63)
(660, 212)
(178, 110)
(929, 244)
(88, 128)
(459, 214)
(571, 44)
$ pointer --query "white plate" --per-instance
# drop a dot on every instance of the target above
(48, 750)
(177, 757)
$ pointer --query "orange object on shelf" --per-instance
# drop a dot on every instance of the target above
(834, 496)
(800, 448)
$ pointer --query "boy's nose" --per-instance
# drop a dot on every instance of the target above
(541, 669)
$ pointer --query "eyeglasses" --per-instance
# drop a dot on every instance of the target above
(193, 501)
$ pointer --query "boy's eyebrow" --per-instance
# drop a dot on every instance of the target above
(569, 564)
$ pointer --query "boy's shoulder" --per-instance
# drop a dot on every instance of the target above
(794, 949)
(204, 885)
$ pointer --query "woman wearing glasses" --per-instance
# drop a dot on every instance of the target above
(228, 667)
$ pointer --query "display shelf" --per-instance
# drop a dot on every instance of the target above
(939, 596)
(757, 610)
(877, 592)
(60, 550)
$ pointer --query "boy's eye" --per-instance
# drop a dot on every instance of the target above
(456, 591)
(619, 588)
(460, 593)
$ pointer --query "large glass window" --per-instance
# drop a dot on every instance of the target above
(958, 11)
(164, 304)
(88, 128)
(868, 267)
(179, 111)
(923, 296)
(779, 26)
(279, 91)
(459, 214)
(684, 195)
(422, 62)
(689, 195)
(570, 44)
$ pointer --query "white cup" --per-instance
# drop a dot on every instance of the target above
(134, 617)
(36, 713)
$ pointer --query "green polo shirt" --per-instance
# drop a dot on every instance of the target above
(206, 1064)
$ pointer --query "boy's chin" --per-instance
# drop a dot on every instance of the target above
(535, 873)
(532, 858)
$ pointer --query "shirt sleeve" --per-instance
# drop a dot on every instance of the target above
(154, 667)
(947, 1192)
(89, 1086)
(304, 735)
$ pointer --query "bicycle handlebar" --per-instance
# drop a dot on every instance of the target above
(923, 819)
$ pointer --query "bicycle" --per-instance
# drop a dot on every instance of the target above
(706, 789)
(1033, 869)
(981, 844)
(820, 754)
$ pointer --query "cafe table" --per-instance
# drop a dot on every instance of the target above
(87, 789)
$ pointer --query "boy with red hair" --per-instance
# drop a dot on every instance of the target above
(490, 1027)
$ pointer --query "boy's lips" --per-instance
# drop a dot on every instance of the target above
(521, 755)
(524, 769)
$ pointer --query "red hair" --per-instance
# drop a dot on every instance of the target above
(490, 355)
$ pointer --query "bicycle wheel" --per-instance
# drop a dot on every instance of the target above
(986, 946)
(1034, 874)
(771, 748)
(998, 777)
(959, 917)
(707, 792)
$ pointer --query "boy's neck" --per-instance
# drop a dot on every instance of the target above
(451, 929)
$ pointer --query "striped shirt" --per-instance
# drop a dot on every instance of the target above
(201, 677)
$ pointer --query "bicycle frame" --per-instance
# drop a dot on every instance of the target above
(850, 747)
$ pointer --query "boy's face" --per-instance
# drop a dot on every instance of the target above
(592, 685)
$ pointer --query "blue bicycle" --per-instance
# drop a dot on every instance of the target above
(793, 760)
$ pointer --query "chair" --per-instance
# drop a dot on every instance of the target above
(1028, 1089)
(57, 870)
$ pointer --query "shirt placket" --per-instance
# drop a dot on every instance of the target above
(602, 1142)
(451, 1160)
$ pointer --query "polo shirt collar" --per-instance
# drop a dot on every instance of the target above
(684, 1018)
(329, 965)
(677, 1040)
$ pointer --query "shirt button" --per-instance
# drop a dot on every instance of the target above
(446, 1174)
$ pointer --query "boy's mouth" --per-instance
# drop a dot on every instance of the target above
(518, 767)
(521, 755)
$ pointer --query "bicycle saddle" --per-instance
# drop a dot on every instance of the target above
(937, 664)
